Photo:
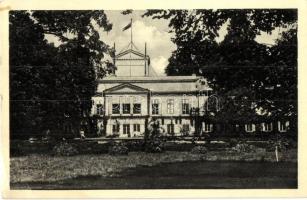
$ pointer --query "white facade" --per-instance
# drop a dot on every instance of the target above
(127, 101)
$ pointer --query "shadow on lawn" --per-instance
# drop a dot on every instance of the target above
(185, 175)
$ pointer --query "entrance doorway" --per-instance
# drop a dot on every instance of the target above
(127, 129)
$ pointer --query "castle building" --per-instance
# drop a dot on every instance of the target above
(127, 101)
(133, 96)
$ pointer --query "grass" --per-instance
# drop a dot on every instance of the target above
(46, 168)
(185, 175)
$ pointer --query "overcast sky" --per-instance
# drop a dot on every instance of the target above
(155, 33)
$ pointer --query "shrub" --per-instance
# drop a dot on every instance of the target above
(91, 147)
(16, 151)
(64, 149)
(153, 139)
(135, 145)
(283, 144)
(154, 145)
(244, 148)
(199, 150)
(233, 142)
(118, 149)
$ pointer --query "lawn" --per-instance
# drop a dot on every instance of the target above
(139, 169)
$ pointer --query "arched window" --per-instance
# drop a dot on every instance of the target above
(212, 104)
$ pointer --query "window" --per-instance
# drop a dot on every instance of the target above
(185, 107)
(137, 108)
(99, 109)
(170, 128)
(186, 127)
(170, 106)
(126, 108)
(115, 108)
(249, 127)
(136, 127)
(126, 129)
(283, 126)
(155, 107)
(115, 128)
(207, 127)
(267, 127)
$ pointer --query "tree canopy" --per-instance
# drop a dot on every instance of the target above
(50, 84)
(249, 77)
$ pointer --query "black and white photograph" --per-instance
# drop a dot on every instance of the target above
(153, 99)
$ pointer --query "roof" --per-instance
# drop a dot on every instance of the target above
(131, 51)
(150, 78)
(132, 54)
(127, 88)
(163, 84)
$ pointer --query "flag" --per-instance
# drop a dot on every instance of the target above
(128, 26)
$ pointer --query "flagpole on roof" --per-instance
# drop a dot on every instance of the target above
(131, 44)
(131, 33)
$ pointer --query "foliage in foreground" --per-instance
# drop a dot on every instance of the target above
(266, 76)
(118, 148)
(64, 149)
(154, 142)
(41, 72)
(199, 150)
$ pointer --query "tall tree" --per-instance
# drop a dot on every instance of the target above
(49, 84)
(245, 74)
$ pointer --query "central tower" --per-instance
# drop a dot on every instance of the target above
(131, 62)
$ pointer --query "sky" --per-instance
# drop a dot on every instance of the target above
(155, 32)
(144, 29)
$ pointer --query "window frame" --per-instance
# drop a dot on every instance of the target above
(185, 107)
(140, 108)
(115, 128)
(125, 129)
(207, 127)
(267, 127)
(251, 127)
(99, 109)
(170, 106)
(284, 125)
(113, 104)
(124, 110)
(136, 128)
(155, 107)
(186, 127)
(170, 128)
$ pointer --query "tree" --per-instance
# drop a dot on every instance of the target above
(247, 76)
(49, 84)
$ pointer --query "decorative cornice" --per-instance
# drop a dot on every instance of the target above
(148, 81)
(113, 90)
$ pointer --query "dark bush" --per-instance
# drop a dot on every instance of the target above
(282, 144)
(25, 147)
(244, 148)
(154, 138)
(16, 151)
(135, 145)
(199, 150)
(118, 148)
(233, 142)
(91, 147)
(154, 145)
(64, 149)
